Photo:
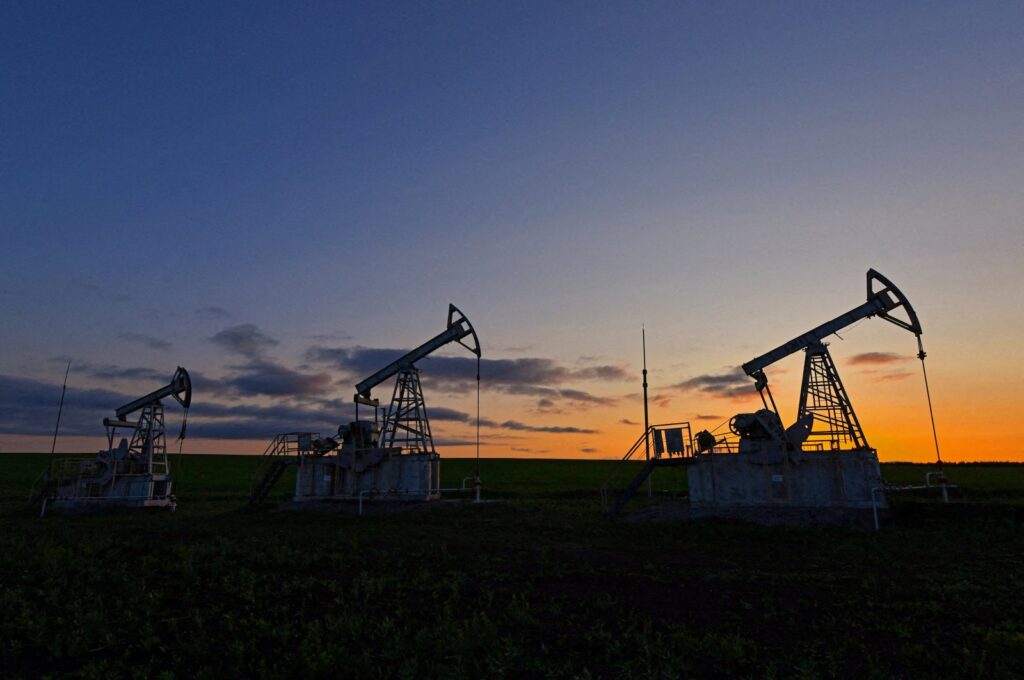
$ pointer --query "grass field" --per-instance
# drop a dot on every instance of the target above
(535, 584)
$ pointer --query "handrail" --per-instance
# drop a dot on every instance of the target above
(282, 446)
(632, 451)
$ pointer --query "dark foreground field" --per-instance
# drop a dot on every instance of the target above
(533, 585)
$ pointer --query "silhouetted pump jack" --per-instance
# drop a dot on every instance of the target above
(822, 463)
(390, 459)
(134, 473)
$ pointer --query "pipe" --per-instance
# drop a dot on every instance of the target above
(928, 483)
(874, 503)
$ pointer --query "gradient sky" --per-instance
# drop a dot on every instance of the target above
(269, 194)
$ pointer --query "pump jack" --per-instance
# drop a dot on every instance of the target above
(825, 417)
(394, 460)
(819, 469)
(406, 422)
(132, 474)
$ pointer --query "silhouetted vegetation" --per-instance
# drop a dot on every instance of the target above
(536, 584)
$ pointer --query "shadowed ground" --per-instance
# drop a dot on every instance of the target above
(536, 584)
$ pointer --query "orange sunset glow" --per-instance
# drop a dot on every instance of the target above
(310, 201)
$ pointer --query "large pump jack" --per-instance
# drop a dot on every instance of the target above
(825, 418)
(822, 460)
(406, 423)
(393, 459)
(136, 472)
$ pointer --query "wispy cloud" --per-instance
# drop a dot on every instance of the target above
(731, 385)
(245, 339)
(246, 421)
(445, 442)
(112, 372)
(661, 400)
(578, 397)
(262, 375)
(892, 376)
(709, 417)
(150, 341)
(452, 415)
(605, 373)
(269, 378)
(531, 376)
(327, 337)
(627, 421)
(548, 406)
(359, 361)
(303, 392)
(552, 429)
(30, 407)
(213, 312)
(876, 358)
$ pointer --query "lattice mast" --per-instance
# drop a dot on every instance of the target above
(406, 424)
(148, 445)
(834, 424)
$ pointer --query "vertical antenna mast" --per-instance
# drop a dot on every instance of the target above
(647, 426)
(60, 410)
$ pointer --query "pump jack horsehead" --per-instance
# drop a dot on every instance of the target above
(136, 472)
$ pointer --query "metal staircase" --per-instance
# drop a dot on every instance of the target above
(670, 445)
(283, 451)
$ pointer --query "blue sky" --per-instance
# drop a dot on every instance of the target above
(334, 174)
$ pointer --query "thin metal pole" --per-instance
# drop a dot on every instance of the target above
(647, 434)
(60, 410)
(476, 481)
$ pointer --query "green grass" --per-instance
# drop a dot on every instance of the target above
(535, 585)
